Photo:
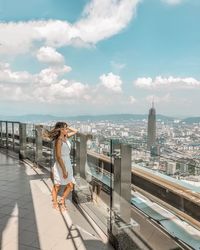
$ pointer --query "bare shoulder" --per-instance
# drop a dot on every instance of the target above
(58, 141)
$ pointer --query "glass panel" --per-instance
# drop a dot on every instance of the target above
(30, 142)
(10, 133)
(4, 134)
(122, 226)
(92, 175)
(45, 149)
(16, 137)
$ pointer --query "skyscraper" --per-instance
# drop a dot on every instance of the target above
(151, 130)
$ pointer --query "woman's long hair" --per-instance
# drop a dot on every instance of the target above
(54, 133)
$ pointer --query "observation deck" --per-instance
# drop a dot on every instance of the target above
(113, 206)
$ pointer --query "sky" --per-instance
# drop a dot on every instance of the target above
(88, 57)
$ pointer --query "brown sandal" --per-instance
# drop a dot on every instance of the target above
(55, 205)
(62, 204)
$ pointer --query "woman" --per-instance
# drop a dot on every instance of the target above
(62, 169)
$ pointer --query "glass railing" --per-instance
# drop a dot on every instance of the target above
(113, 179)
(9, 135)
(92, 175)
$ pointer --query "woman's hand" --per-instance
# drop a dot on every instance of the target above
(65, 174)
(71, 131)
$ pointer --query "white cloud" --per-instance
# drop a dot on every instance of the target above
(143, 82)
(44, 86)
(14, 93)
(173, 2)
(17, 37)
(50, 75)
(51, 86)
(100, 20)
(167, 82)
(105, 18)
(132, 99)
(61, 92)
(117, 66)
(49, 55)
(111, 82)
(8, 76)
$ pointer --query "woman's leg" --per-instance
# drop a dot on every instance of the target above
(66, 192)
(54, 192)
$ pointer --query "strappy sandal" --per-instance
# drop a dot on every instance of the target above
(62, 205)
(55, 205)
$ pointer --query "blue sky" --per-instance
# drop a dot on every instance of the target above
(99, 57)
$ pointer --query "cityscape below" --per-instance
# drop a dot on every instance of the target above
(165, 145)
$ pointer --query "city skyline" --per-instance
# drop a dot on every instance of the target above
(85, 57)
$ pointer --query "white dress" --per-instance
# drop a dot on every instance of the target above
(57, 171)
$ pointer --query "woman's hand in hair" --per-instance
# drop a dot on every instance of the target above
(71, 131)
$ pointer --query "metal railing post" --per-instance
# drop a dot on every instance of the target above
(1, 137)
(7, 135)
(13, 135)
(83, 154)
(22, 140)
(122, 183)
(38, 142)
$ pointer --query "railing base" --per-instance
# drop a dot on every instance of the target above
(122, 237)
(82, 192)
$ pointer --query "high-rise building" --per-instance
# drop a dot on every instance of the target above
(151, 130)
(171, 168)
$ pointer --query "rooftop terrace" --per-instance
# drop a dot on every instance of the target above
(125, 215)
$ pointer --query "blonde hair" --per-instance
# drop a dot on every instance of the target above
(54, 133)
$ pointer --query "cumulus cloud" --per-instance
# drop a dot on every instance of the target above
(172, 2)
(50, 85)
(45, 86)
(49, 55)
(61, 92)
(8, 76)
(111, 82)
(100, 20)
(50, 75)
(167, 82)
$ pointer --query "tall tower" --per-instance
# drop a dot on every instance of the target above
(151, 131)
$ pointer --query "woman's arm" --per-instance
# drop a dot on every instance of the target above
(71, 131)
(59, 157)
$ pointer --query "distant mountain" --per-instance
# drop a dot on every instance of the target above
(118, 117)
(191, 120)
(165, 118)
(31, 118)
(34, 118)
(110, 117)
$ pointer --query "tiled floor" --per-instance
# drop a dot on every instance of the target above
(27, 220)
